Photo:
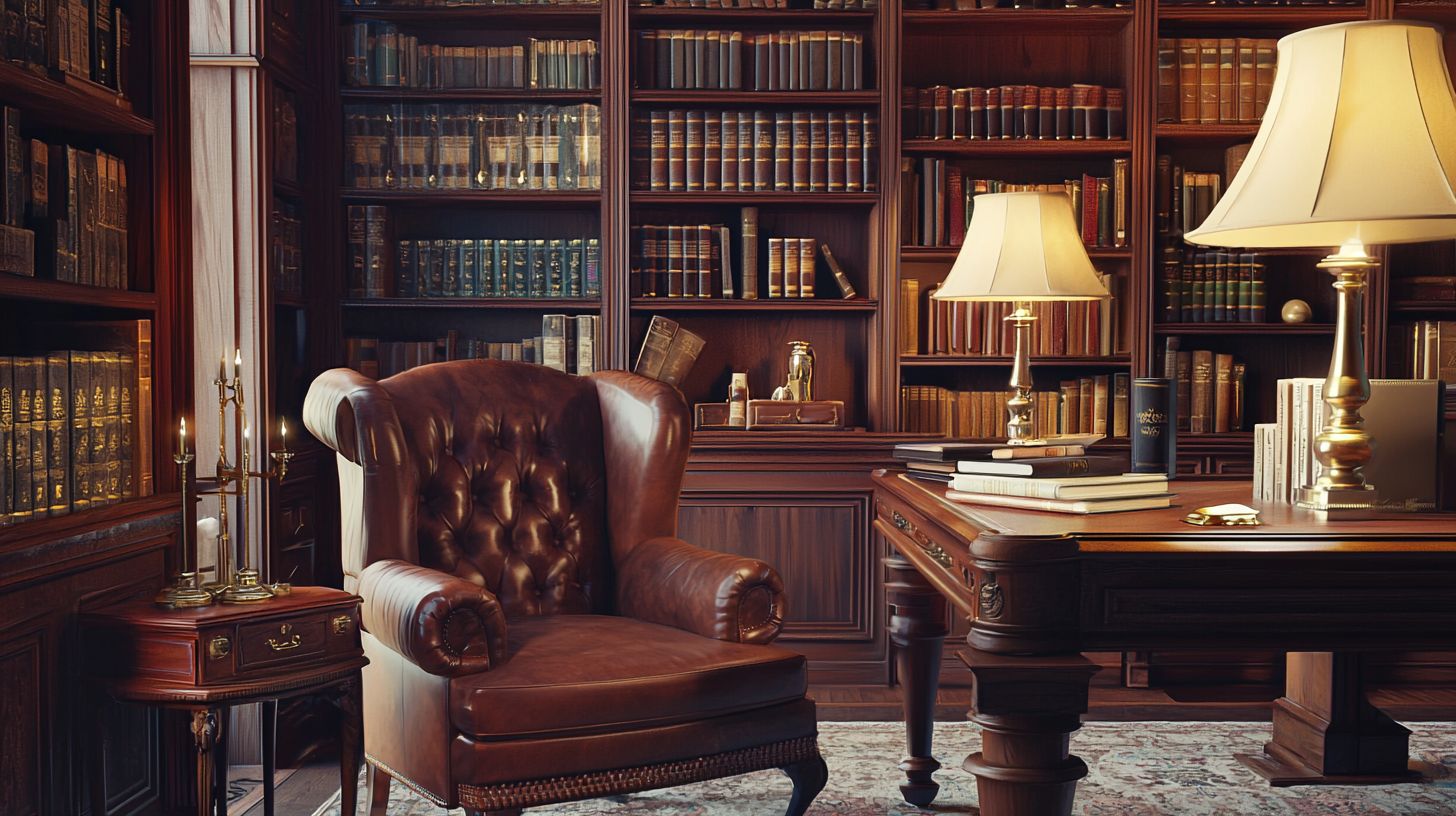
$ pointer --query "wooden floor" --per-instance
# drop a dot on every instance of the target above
(303, 792)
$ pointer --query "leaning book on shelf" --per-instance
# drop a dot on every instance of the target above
(668, 351)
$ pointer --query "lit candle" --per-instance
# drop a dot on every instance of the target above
(238, 365)
(283, 433)
(182, 439)
(222, 368)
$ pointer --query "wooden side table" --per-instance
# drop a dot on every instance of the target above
(210, 659)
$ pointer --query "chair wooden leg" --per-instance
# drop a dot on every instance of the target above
(378, 791)
(809, 778)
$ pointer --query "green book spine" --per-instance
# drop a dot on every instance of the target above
(537, 282)
(58, 433)
(575, 284)
(450, 266)
(128, 424)
(1200, 286)
(520, 267)
(468, 275)
(22, 501)
(80, 369)
(555, 268)
(1258, 295)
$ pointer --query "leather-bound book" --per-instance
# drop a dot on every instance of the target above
(645, 59)
(1241, 266)
(1202, 396)
(1089, 210)
(7, 436)
(791, 267)
(941, 113)
(925, 113)
(641, 150)
(1087, 404)
(728, 152)
(662, 262)
(818, 61)
(677, 150)
(1266, 61)
(1101, 405)
(655, 346)
(846, 290)
(1120, 174)
(700, 284)
(763, 152)
(819, 151)
(1223, 400)
(960, 112)
(1030, 105)
(1120, 387)
(694, 135)
(799, 153)
(1046, 112)
(836, 157)
(1081, 99)
(775, 267)
(675, 260)
(677, 60)
(853, 152)
(788, 48)
(976, 113)
(1062, 112)
(1010, 112)
(1228, 80)
(358, 258)
(783, 152)
(748, 253)
(1208, 89)
(1114, 102)
(732, 44)
(711, 65)
(807, 258)
(871, 155)
(682, 353)
(634, 269)
(1247, 81)
(712, 151)
(763, 74)
(745, 151)
(1188, 80)
(993, 113)
(1153, 432)
(1097, 113)
(955, 203)
(1167, 80)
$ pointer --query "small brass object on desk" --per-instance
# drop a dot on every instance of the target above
(1223, 515)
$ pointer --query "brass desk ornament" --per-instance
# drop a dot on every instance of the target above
(1223, 515)
(800, 387)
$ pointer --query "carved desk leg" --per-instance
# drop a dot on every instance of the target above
(1326, 732)
(351, 746)
(917, 630)
(270, 755)
(1027, 708)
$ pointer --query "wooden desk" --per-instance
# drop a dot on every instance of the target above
(1040, 588)
(206, 660)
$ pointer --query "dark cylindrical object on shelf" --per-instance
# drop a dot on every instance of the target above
(1154, 431)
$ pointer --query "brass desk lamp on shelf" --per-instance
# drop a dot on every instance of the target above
(1022, 247)
(1357, 147)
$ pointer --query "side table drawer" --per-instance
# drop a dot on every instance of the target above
(266, 644)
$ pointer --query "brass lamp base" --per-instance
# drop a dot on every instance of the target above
(184, 593)
(1020, 429)
(246, 588)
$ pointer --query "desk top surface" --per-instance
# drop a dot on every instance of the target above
(1283, 527)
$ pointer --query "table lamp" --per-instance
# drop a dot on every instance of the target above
(1022, 247)
(1357, 147)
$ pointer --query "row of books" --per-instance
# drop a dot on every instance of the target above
(818, 5)
(755, 151)
(1090, 112)
(1215, 81)
(1089, 405)
(939, 201)
(731, 60)
(1212, 389)
(979, 329)
(498, 268)
(967, 5)
(1185, 198)
(470, 146)
(1429, 350)
(376, 54)
(1423, 287)
(567, 343)
(286, 242)
(68, 433)
(90, 39)
(68, 206)
(1262, 2)
(1213, 287)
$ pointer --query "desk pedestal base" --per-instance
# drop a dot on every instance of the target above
(1326, 732)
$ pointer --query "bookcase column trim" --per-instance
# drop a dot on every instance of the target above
(616, 209)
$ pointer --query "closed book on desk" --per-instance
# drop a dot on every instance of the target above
(1053, 467)
(1077, 506)
(956, 451)
(1080, 487)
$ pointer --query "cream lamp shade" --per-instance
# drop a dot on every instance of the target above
(1021, 247)
(1358, 144)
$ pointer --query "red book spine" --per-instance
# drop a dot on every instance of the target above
(1089, 210)
(955, 205)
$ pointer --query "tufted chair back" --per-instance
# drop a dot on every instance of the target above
(495, 472)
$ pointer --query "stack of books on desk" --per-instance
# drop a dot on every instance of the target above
(1060, 479)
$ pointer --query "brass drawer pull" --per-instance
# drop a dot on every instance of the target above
(292, 643)
(341, 624)
(931, 549)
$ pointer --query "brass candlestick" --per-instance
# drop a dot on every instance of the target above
(1020, 430)
(245, 584)
(186, 591)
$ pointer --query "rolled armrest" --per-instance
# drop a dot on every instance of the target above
(446, 625)
(716, 595)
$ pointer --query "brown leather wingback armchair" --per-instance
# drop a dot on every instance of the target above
(535, 631)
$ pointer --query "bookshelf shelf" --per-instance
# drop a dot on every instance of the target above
(760, 305)
(936, 360)
(1013, 148)
(1428, 306)
(650, 16)
(539, 304)
(72, 104)
(1239, 329)
(810, 98)
(989, 21)
(25, 288)
(290, 300)
(537, 95)
(451, 198)
(17, 536)
(544, 17)
(1245, 17)
(1205, 134)
(948, 254)
(675, 199)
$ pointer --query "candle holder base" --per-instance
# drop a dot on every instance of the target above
(1339, 503)
(184, 593)
(246, 588)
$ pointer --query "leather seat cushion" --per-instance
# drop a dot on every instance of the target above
(572, 673)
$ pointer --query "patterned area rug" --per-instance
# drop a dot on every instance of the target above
(1137, 769)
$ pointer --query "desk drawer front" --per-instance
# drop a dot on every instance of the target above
(264, 644)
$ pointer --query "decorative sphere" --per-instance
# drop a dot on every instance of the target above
(1295, 311)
